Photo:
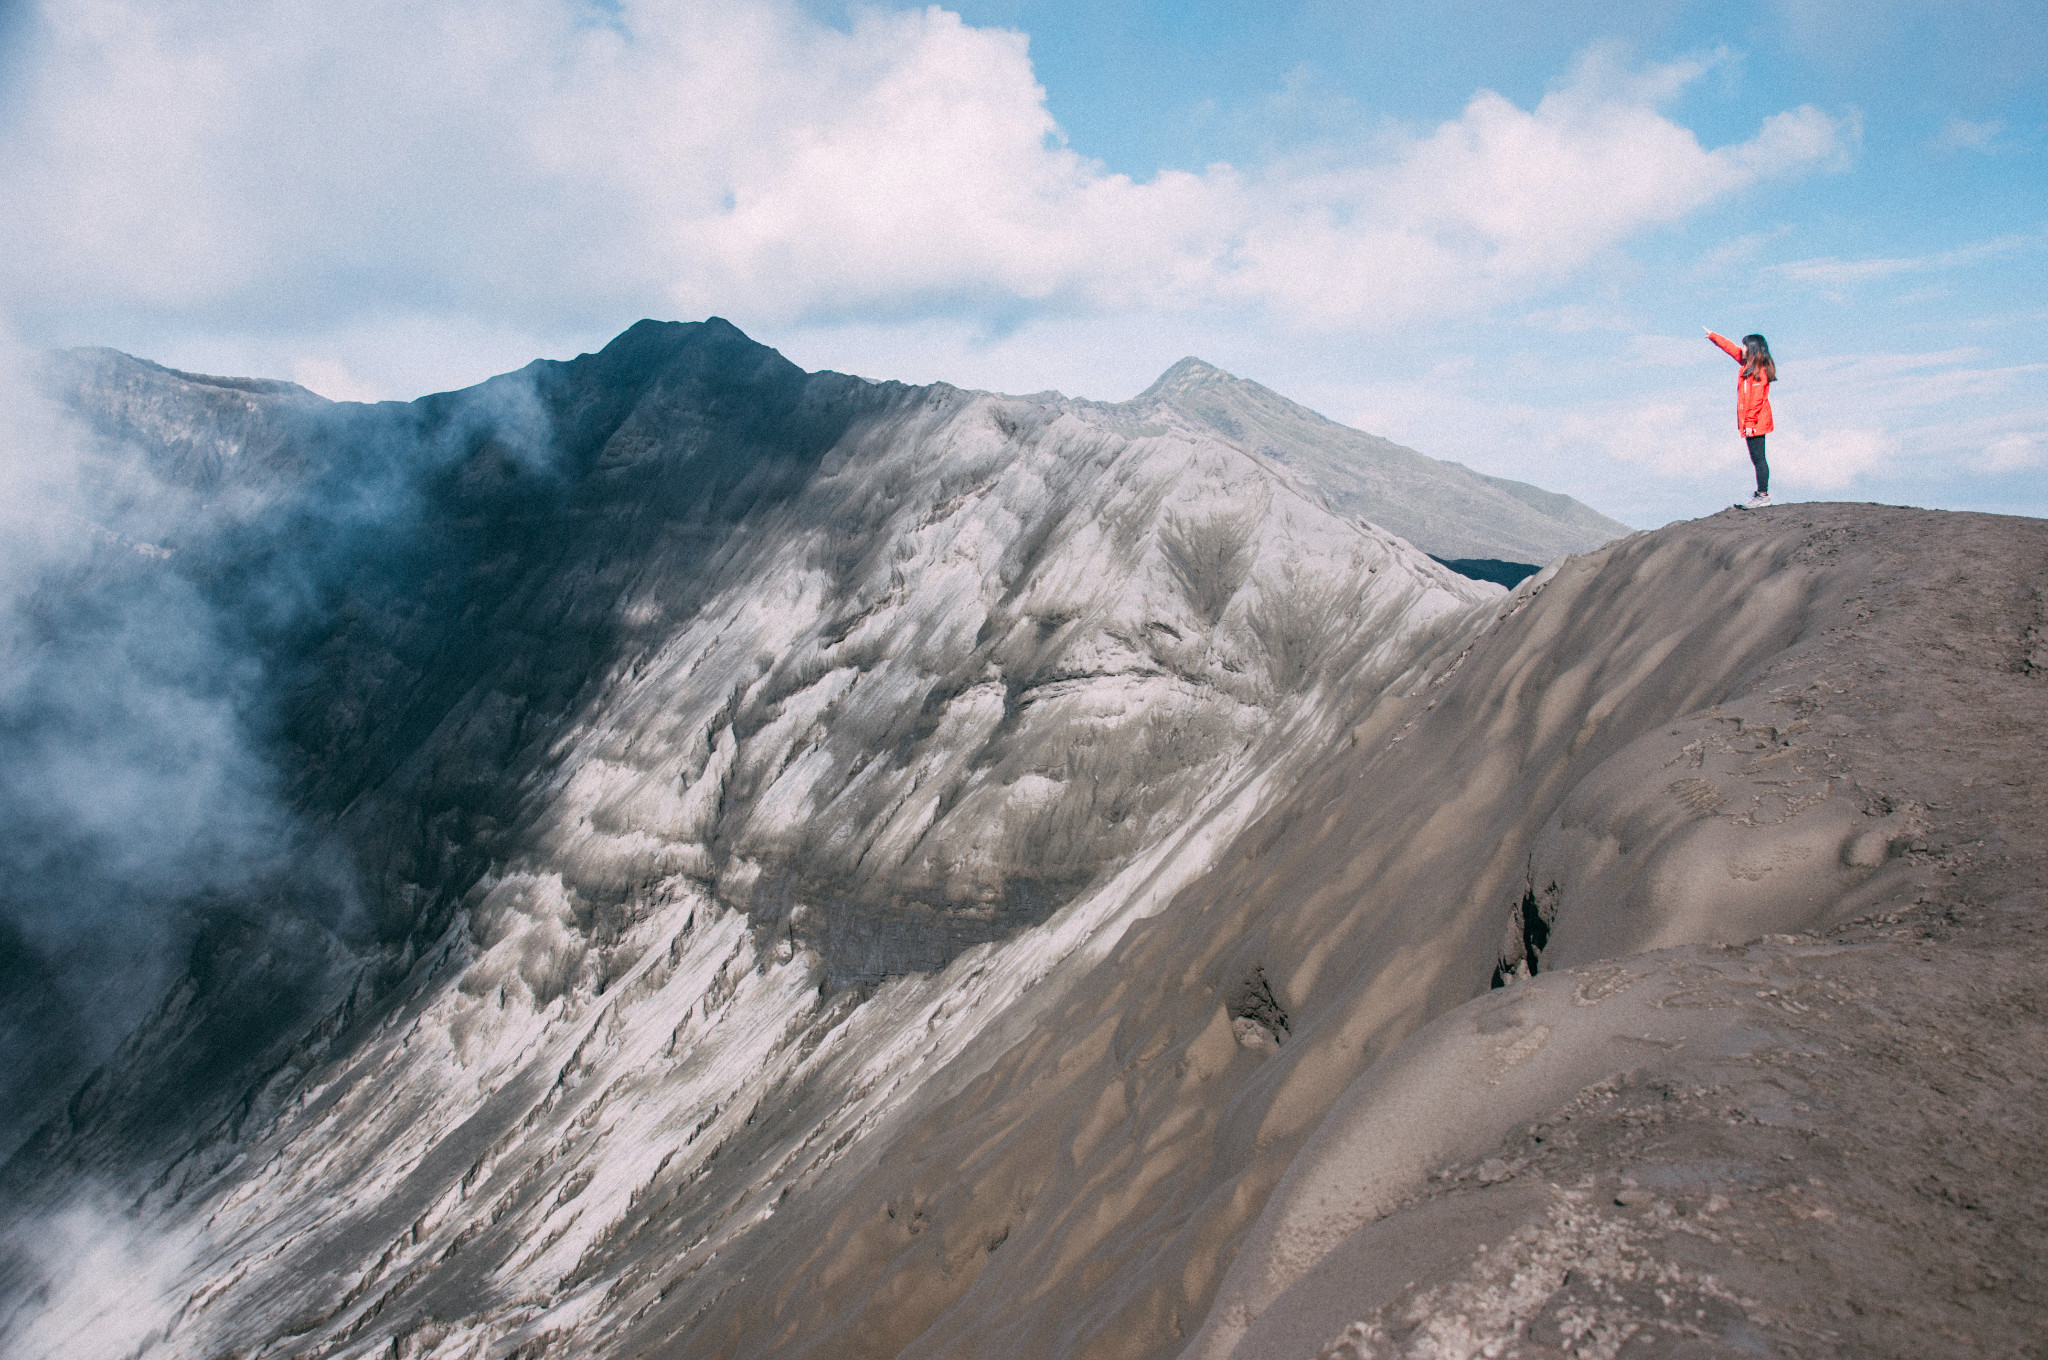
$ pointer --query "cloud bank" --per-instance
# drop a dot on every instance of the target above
(251, 167)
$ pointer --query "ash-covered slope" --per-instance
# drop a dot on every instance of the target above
(1249, 1084)
(1443, 508)
(674, 690)
(1721, 732)
(421, 593)
(1775, 1085)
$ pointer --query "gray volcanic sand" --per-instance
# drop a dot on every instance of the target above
(1862, 1173)
(1744, 817)
(1786, 767)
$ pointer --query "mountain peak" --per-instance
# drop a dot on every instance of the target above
(1444, 508)
(1189, 375)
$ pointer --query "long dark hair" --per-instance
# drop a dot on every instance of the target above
(1756, 358)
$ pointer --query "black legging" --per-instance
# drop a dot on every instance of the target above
(1763, 469)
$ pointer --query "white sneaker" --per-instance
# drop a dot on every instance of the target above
(1759, 500)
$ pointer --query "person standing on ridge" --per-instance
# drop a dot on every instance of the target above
(1753, 404)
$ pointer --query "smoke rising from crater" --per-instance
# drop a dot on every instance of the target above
(164, 569)
(133, 792)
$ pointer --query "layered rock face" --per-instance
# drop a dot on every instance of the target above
(675, 685)
(881, 871)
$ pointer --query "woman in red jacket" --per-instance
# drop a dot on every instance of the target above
(1753, 403)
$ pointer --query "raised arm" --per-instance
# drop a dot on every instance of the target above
(1729, 347)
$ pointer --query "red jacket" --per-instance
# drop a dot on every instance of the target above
(1752, 394)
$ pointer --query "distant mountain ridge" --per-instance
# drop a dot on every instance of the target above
(1446, 509)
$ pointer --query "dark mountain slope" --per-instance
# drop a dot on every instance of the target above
(893, 671)
(428, 589)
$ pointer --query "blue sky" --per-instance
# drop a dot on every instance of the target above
(1491, 231)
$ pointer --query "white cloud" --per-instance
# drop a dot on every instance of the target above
(540, 166)
(1906, 387)
(1738, 254)
(1580, 318)
(1501, 200)
(1961, 134)
(1829, 272)
(1845, 419)
(332, 380)
(381, 352)
(1667, 436)
(2016, 452)
(105, 1282)
(1829, 459)
(1682, 440)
